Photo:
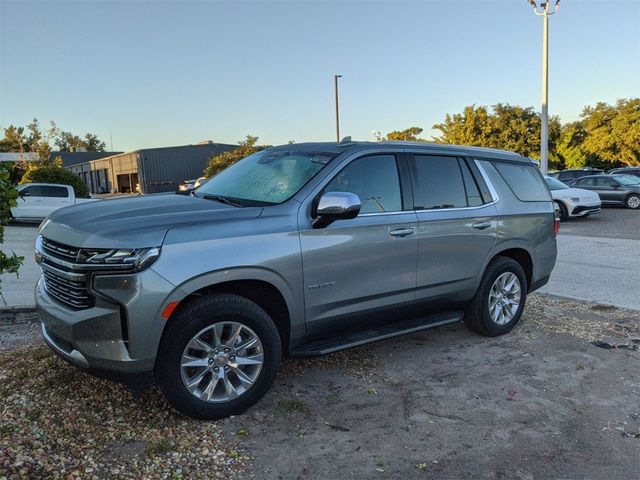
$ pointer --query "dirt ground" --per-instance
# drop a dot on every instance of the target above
(557, 398)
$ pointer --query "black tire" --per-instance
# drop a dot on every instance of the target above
(632, 201)
(185, 324)
(477, 316)
(564, 213)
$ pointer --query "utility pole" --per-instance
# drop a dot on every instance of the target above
(335, 88)
(545, 12)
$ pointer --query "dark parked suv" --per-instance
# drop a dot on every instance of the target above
(613, 189)
(299, 250)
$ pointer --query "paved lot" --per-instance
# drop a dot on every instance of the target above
(611, 222)
(599, 259)
(18, 292)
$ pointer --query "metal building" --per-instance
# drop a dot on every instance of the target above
(154, 169)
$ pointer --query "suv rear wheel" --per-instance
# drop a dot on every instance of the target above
(218, 356)
(497, 306)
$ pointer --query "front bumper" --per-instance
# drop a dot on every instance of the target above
(120, 333)
(582, 210)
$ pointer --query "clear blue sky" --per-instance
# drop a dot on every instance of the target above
(174, 72)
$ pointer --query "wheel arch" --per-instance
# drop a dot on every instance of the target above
(517, 252)
(264, 288)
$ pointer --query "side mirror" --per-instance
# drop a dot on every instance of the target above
(22, 194)
(336, 206)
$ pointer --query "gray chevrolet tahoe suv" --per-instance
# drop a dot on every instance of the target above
(296, 250)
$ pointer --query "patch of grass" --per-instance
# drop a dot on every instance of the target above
(159, 446)
(422, 466)
(287, 407)
(242, 432)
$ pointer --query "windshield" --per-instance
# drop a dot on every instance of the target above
(627, 179)
(266, 177)
(555, 184)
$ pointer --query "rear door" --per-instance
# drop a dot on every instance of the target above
(457, 226)
(366, 263)
(608, 189)
(55, 197)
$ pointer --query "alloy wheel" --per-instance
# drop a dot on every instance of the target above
(221, 362)
(504, 298)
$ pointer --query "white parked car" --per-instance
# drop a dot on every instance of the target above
(573, 202)
(37, 200)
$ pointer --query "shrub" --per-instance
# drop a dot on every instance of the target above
(8, 195)
(55, 174)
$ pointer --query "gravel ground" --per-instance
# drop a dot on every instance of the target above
(557, 398)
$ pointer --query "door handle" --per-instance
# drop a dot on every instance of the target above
(481, 225)
(402, 232)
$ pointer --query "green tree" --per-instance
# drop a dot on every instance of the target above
(223, 160)
(14, 139)
(409, 134)
(52, 173)
(39, 141)
(613, 131)
(502, 126)
(8, 195)
(68, 142)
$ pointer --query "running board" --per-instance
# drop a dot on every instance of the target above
(361, 337)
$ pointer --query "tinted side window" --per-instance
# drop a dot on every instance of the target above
(439, 182)
(374, 179)
(33, 191)
(585, 181)
(605, 182)
(525, 181)
(474, 198)
(58, 192)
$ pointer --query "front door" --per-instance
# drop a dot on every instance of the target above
(365, 263)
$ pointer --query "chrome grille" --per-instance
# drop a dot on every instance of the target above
(60, 278)
(71, 293)
(60, 250)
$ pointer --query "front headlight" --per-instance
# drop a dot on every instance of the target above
(130, 259)
(574, 199)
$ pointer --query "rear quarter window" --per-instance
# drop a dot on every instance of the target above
(525, 181)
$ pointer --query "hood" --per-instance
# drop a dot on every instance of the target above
(135, 222)
(580, 193)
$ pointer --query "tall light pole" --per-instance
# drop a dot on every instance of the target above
(545, 12)
(335, 88)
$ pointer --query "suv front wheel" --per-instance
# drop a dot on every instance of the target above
(498, 304)
(218, 356)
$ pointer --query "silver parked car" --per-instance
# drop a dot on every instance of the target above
(297, 250)
(573, 202)
(613, 189)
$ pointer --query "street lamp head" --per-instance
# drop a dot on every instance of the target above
(533, 3)
(338, 76)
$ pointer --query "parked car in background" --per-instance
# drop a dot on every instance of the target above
(613, 189)
(301, 250)
(187, 186)
(567, 176)
(573, 202)
(635, 171)
(37, 201)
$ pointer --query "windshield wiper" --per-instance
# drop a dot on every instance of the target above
(221, 199)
